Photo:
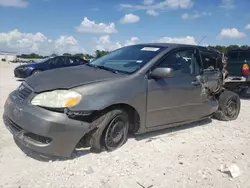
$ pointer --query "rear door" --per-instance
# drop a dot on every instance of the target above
(178, 98)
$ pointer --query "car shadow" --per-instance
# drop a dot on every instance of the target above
(84, 151)
(245, 96)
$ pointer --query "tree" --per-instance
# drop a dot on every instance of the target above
(100, 53)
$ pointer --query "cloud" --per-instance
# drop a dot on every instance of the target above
(88, 26)
(37, 43)
(232, 33)
(148, 2)
(247, 26)
(105, 43)
(152, 13)
(186, 16)
(14, 3)
(179, 40)
(130, 18)
(131, 41)
(227, 4)
(150, 6)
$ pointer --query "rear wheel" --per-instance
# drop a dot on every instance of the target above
(229, 106)
(111, 132)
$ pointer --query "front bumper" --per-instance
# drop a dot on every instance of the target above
(41, 130)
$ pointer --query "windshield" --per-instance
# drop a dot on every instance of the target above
(127, 59)
(44, 60)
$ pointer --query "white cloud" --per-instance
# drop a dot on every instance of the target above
(130, 18)
(88, 26)
(227, 4)
(231, 33)
(180, 40)
(131, 41)
(37, 43)
(195, 15)
(152, 13)
(13, 3)
(153, 6)
(148, 2)
(105, 43)
(185, 16)
(247, 26)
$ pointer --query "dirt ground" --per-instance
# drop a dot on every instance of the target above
(187, 156)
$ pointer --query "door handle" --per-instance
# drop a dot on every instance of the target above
(195, 83)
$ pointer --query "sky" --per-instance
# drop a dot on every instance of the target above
(83, 26)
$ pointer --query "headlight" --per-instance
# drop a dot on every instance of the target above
(23, 68)
(57, 99)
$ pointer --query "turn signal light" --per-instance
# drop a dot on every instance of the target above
(245, 69)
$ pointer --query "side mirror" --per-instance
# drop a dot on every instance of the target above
(161, 72)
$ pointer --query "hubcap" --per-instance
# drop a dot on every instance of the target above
(231, 108)
(116, 133)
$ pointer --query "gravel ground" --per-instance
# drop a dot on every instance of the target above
(187, 156)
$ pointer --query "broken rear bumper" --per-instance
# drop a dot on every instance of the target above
(41, 130)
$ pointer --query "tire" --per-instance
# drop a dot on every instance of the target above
(107, 124)
(229, 106)
(35, 72)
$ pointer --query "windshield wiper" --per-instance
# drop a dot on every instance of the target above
(107, 69)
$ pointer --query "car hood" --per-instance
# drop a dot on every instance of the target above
(28, 64)
(66, 78)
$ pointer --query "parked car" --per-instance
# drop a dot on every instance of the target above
(24, 71)
(238, 79)
(137, 89)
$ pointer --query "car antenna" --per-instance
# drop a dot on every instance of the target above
(202, 39)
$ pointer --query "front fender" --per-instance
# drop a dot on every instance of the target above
(98, 96)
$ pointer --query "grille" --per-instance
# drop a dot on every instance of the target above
(23, 91)
(37, 138)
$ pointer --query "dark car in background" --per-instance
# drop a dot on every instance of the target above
(24, 71)
(238, 79)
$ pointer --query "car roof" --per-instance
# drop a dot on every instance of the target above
(169, 45)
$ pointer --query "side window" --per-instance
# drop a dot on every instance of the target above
(57, 61)
(183, 62)
(209, 59)
(74, 61)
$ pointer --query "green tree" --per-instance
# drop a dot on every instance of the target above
(100, 53)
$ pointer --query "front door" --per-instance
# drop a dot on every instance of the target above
(178, 98)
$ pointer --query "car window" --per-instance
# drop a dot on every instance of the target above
(128, 59)
(233, 55)
(244, 55)
(184, 62)
(74, 60)
(209, 59)
(57, 61)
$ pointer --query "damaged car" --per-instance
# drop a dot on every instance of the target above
(134, 89)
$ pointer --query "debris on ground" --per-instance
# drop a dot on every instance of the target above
(232, 169)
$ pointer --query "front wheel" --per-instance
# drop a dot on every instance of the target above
(111, 132)
(229, 106)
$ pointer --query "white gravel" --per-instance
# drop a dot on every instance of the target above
(188, 156)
